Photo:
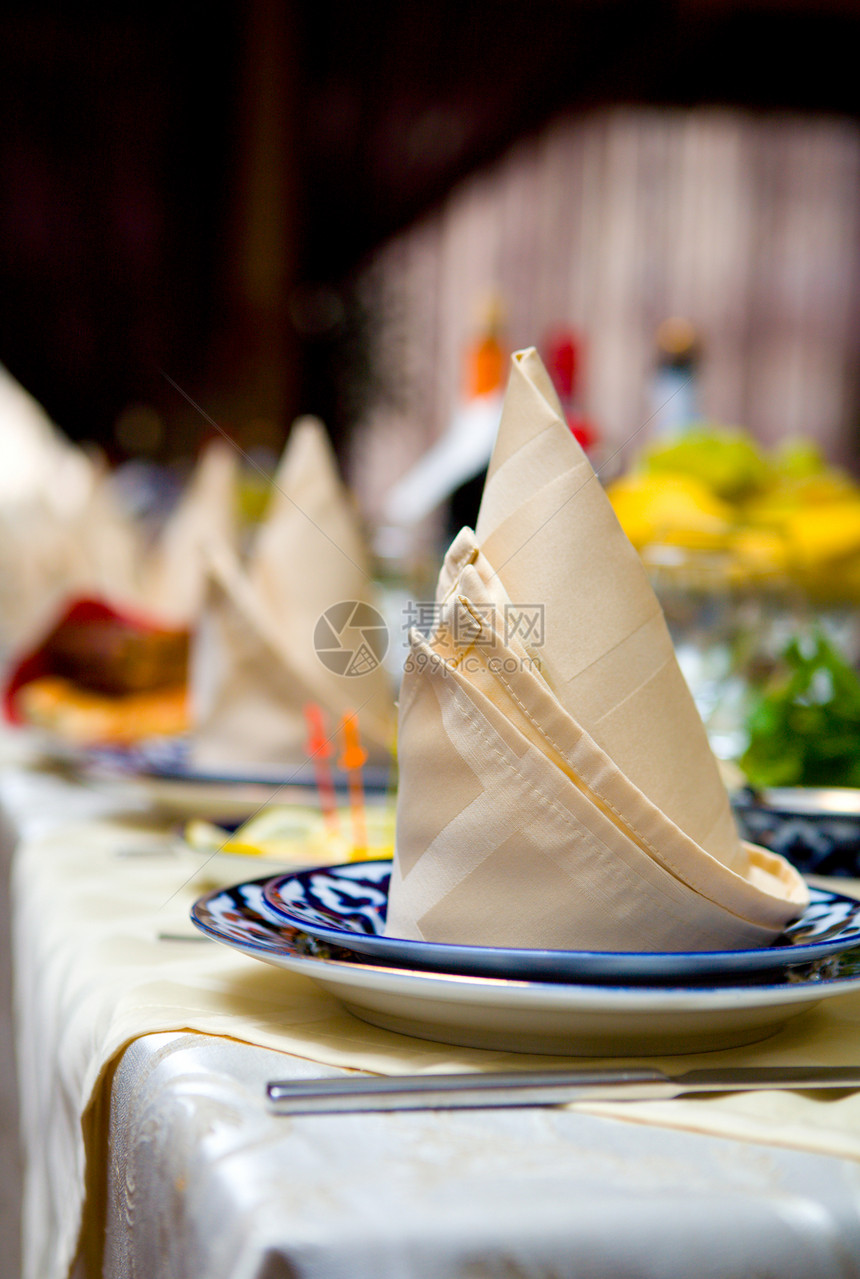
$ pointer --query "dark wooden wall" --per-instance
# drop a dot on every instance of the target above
(188, 189)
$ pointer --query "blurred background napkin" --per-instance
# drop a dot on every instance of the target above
(174, 572)
(45, 481)
(557, 788)
(104, 609)
(256, 660)
(95, 548)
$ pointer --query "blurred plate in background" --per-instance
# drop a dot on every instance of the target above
(816, 828)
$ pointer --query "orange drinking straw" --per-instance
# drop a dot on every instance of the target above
(352, 761)
(320, 749)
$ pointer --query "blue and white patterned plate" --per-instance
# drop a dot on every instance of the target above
(346, 905)
(816, 828)
(589, 1019)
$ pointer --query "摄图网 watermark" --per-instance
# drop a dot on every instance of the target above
(351, 638)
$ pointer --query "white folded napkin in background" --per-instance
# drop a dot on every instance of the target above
(256, 662)
(206, 518)
(104, 548)
(557, 788)
(39, 463)
(45, 483)
(65, 532)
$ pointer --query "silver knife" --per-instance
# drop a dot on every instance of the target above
(536, 1088)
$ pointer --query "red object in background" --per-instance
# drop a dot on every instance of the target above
(563, 359)
(582, 431)
(39, 661)
(562, 362)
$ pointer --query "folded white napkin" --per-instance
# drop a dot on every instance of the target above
(94, 548)
(557, 788)
(104, 547)
(39, 463)
(50, 557)
(205, 519)
(271, 632)
(45, 483)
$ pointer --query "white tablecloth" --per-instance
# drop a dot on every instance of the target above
(526, 1194)
(151, 1147)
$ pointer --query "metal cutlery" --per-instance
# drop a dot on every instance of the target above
(537, 1088)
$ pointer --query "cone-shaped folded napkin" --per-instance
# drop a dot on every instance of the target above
(39, 462)
(104, 548)
(557, 789)
(45, 481)
(205, 518)
(97, 550)
(48, 558)
(297, 625)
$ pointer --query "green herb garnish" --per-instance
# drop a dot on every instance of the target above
(804, 730)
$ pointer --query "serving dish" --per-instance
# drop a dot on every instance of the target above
(346, 905)
(559, 1018)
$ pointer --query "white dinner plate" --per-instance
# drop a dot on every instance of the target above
(216, 801)
(163, 776)
(346, 905)
(525, 1016)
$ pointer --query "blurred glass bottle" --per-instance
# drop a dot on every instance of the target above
(485, 372)
(675, 387)
(441, 491)
(486, 355)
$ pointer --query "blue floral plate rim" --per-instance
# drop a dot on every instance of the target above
(345, 906)
(570, 1018)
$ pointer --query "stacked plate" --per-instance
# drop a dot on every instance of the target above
(328, 924)
(164, 775)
